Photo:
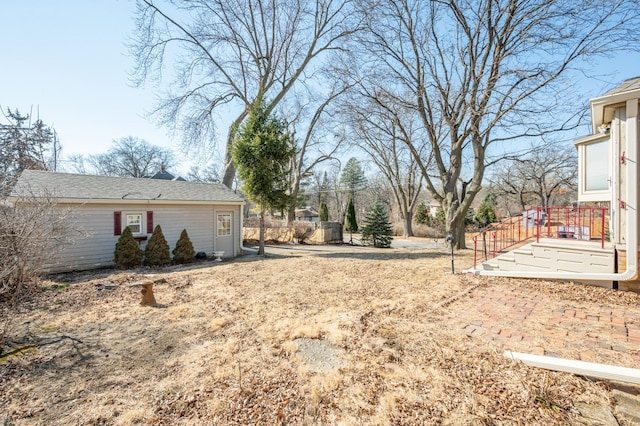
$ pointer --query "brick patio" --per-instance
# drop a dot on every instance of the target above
(524, 319)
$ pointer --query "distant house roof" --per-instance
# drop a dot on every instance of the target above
(165, 175)
(85, 188)
(306, 213)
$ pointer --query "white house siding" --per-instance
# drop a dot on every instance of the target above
(236, 228)
(197, 220)
(94, 239)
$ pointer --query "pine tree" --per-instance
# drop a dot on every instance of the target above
(486, 214)
(262, 152)
(377, 227)
(440, 218)
(324, 212)
(422, 215)
(352, 177)
(183, 252)
(128, 252)
(157, 251)
(350, 223)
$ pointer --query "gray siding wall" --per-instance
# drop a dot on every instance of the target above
(94, 239)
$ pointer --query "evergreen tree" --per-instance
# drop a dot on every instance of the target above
(26, 143)
(324, 212)
(422, 215)
(183, 252)
(377, 227)
(262, 151)
(352, 177)
(440, 218)
(128, 252)
(350, 223)
(157, 251)
(486, 213)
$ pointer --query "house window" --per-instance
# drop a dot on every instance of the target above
(594, 168)
(596, 164)
(224, 224)
(134, 222)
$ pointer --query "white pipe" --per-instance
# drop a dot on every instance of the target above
(582, 368)
(241, 230)
(631, 206)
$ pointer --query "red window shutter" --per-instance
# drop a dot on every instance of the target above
(149, 222)
(117, 223)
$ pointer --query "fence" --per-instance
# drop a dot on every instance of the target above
(576, 223)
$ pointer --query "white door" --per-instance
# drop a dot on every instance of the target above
(224, 233)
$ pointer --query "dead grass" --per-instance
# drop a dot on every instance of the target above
(223, 349)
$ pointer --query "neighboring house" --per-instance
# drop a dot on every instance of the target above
(307, 214)
(165, 175)
(602, 251)
(102, 206)
(432, 208)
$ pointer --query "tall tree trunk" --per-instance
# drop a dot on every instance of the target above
(261, 243)
(454, 221)
(295, 189)
(407, 224)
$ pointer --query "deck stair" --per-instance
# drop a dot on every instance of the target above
(555, 255)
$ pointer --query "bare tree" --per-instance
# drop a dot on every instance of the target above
(32, 230)
(76, 163)
(232, 52)
(336, 196)
(209, 173)
(132, 157)
(318, 189)
(386, 144)
(319, 144)
(547, 176)
(484, 73)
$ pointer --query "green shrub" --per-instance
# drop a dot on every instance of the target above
(128, 252)
(422, 215)
(377, 227)
(351, 224)
(183, 251)
(157, 251)
(324, 212)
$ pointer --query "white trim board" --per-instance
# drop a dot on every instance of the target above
(582, 368)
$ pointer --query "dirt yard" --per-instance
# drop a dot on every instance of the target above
(306, 336)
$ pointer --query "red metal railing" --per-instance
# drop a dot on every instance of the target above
(578, 223)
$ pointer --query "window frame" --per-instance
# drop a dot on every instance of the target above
(127, 224)
(226, 225)
(583, 145)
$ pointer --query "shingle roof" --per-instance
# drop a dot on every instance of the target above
(626, 86)
(90, 187)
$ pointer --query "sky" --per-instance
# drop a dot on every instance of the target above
(67, 60)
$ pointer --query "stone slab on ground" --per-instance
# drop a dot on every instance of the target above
(595, 415)
(627, 406)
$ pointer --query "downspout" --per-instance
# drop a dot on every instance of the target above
(241, 227)
(631, 206)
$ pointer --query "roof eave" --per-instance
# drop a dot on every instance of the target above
(141, 201)
(599, 106)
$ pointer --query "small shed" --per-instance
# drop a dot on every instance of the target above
(102, 206)
(307, 214)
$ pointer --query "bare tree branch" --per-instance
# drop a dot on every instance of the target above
(232, 52)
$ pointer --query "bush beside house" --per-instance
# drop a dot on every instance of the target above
(183, 251)
(157, 251)
(127, 253)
